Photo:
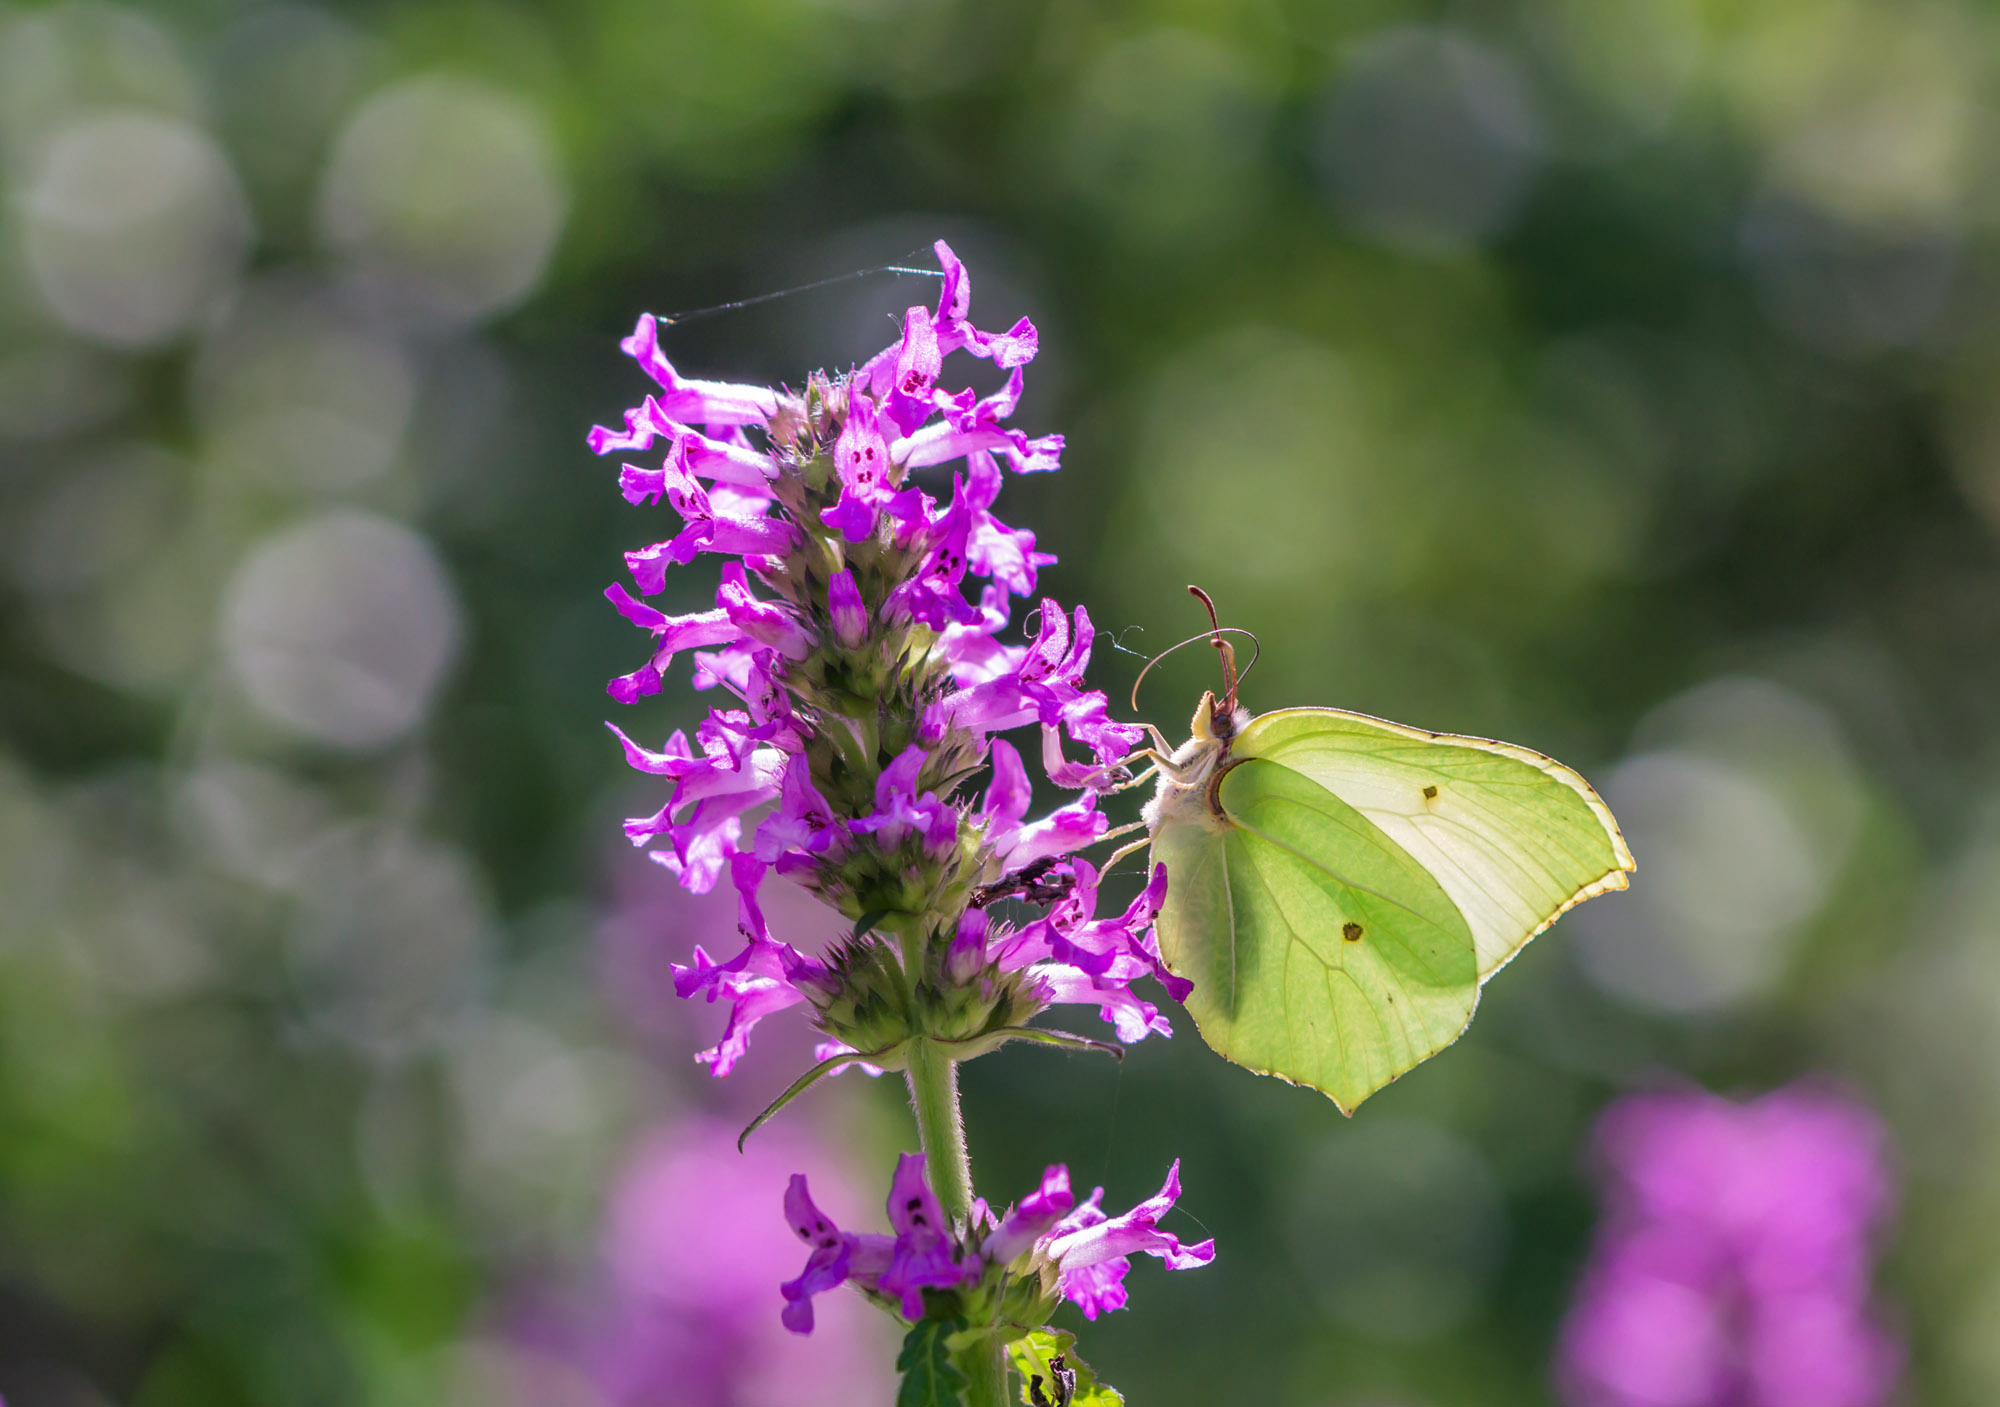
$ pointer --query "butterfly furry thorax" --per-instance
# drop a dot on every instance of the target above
(1187, 783)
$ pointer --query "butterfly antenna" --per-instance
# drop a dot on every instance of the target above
(1192, 640)
(1223, 648)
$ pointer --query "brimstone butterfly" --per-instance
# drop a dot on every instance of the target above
(1340, 887)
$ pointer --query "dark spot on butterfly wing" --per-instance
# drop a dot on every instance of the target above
(1430, 793)
(1351, 931)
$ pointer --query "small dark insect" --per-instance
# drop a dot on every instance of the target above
(1430, 793)
(1065, 1387)
(1351, 931)
(1027, 882)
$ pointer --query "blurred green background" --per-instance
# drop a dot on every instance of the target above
(1615, 378)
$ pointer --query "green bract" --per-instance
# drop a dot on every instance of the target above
(1340, 887)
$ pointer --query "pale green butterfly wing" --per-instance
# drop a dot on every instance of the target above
(1319, 949)
(1513, 837)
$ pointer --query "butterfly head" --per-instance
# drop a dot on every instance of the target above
(1218, 720)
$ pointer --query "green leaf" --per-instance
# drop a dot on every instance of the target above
(986, 1041)
(929, 1379)
(1339, 888)
(1053, 1376)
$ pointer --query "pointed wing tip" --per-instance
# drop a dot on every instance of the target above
(1620, 851)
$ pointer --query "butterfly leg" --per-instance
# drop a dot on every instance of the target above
(1124, 850)
(1160, 755)
(1141, 778)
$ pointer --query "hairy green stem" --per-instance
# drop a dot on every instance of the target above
(934, 1093)
(933, 1079)
(985, 1368)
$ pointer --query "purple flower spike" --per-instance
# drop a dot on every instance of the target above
(859, 634)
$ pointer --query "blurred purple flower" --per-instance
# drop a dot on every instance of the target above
(1733, 1265)
(681, 1309)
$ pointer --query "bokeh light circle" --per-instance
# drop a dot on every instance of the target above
(134, 226)
(388, 938)
(342, 628)
(446, 197)
(1429, 139)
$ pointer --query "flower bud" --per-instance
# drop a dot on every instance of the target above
(850, 616)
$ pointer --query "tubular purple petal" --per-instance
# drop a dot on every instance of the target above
(1094, 1239)
(926, 1255)
(1007, 795)
(1033, 1218)
(701, 402)
(850, 616)
(763, 621)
